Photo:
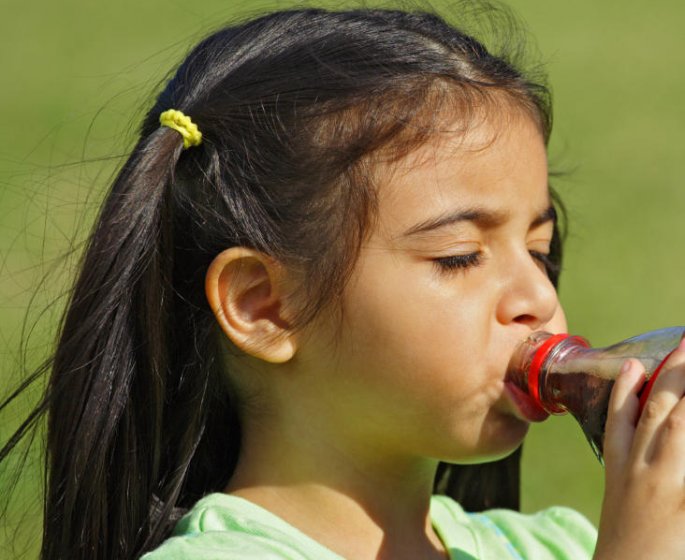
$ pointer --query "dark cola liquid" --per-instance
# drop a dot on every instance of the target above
(586, 398)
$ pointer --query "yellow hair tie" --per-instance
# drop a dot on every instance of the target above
(182, 123)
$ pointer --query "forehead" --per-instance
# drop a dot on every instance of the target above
(501, 166)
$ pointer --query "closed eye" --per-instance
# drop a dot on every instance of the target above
(542, 258)
(459, 262)
(547, 265)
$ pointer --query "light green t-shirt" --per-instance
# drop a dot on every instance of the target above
(224, 527)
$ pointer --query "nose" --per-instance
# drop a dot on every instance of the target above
(528, 296)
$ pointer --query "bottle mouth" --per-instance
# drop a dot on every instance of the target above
(521, 362)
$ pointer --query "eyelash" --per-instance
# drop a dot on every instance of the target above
(472, 260)
(459, 262)
(544, 259)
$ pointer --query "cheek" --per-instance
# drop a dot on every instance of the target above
(426, 326)
(417, 358)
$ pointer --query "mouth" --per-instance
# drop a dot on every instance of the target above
(524, 406)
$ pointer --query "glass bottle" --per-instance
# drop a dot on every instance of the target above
(563, 374)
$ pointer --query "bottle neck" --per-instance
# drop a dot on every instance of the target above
(535, 358)
(558, 371)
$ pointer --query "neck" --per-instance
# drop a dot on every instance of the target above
(319, 487)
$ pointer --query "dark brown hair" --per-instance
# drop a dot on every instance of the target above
(293, 107)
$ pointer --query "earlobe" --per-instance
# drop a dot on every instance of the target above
(245, 290)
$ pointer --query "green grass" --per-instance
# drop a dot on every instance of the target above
(77, 73)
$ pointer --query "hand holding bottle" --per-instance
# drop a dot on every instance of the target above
(643, 513)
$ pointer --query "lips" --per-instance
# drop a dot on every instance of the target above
(524, 404)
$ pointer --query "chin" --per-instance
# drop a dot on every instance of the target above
(499, 444)
(484, 458)
(496, 450)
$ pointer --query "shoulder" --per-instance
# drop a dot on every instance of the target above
(222, 527)
(555, 533)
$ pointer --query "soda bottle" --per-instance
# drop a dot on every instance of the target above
(562, 374)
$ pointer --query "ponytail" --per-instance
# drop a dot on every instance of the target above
(123, 380)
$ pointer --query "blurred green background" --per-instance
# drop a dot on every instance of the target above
(77, 74)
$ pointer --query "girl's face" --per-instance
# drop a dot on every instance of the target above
(449, 281)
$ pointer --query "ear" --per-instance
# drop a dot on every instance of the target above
(245, 289)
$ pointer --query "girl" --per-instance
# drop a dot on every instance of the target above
(296, 309)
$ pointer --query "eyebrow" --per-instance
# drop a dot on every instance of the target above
(485, 218)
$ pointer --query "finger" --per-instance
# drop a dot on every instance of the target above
(622, 414)
(670, 449)
(667, 391)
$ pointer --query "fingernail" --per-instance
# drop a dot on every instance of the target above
(626, 366)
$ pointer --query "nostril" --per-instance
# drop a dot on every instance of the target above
(530, 321)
